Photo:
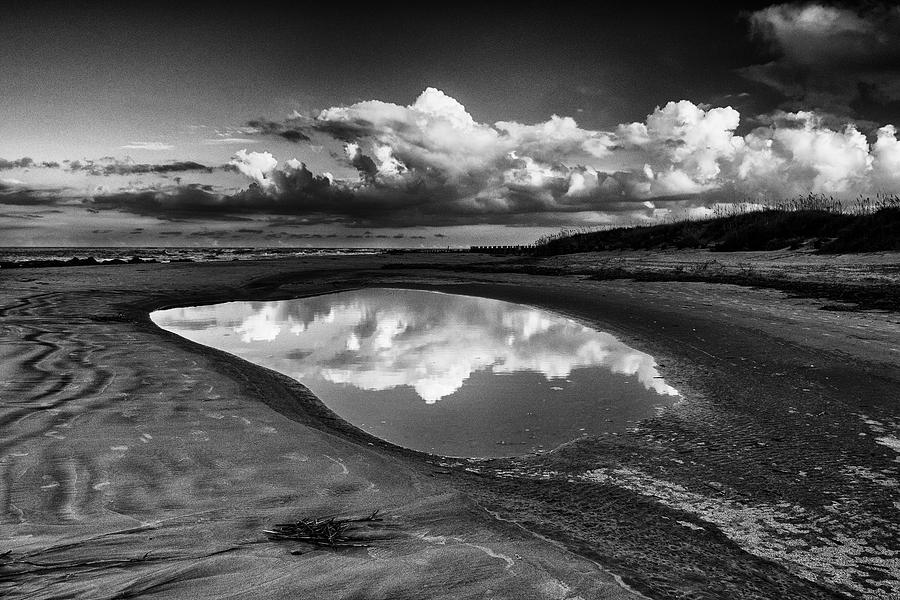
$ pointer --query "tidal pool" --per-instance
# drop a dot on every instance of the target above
(441, 373)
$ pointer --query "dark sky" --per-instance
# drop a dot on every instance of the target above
(134, 67)
(151, 83)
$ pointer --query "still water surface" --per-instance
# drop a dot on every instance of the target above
(442, 373)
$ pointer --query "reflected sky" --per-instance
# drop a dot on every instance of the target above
(412, 366)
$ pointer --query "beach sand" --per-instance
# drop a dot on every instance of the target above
(135, 463)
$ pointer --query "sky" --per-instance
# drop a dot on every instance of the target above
(127, 124)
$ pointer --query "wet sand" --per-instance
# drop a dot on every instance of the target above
(135, 463)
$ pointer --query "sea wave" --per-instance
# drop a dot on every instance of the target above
(33, 257)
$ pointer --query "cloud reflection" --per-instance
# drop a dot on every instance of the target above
(378, 339)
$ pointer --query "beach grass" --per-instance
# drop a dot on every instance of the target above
(824, 224)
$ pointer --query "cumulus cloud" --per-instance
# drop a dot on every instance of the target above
(690, 150)
(828, 57)
(886, 158)
(259, 166)
(684, 147)
(432, 163)
(801, 156)
(437, 132)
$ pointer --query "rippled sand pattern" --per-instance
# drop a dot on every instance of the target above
(131, 466)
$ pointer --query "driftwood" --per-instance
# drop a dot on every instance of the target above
(331, 532)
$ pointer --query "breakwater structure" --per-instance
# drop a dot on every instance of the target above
(521, 249)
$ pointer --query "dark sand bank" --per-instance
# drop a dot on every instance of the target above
(133, 462)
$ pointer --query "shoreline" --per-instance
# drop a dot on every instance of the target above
(594, 489)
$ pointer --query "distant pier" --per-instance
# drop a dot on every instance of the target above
(502, 249)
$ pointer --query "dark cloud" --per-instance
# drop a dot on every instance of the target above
(180, 202)
(364, 164)
(110, 166)
(20, 195)
(24, 217)
(346, 131)
(319, 201)
(21, 163)
(831, 58)
(285, 130)
(295, 235)
(292, 135)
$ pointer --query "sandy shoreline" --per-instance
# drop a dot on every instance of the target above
(137, 463)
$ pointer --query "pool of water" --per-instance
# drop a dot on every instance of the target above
(441, 373)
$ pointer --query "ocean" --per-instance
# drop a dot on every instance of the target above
(20, 256)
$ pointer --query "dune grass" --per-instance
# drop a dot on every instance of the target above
(827, 225)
